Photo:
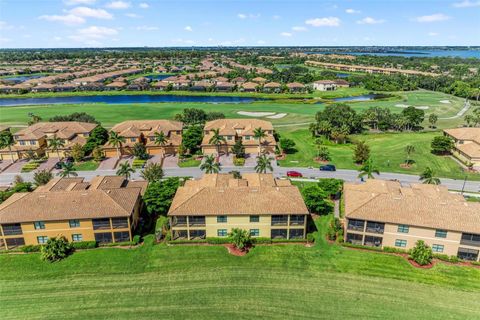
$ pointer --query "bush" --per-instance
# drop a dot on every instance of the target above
(138, 163)
(218, 240)
(394, 250)
(421, 253)
(442, 145)
(161, 227)
(310, 237)
(56, 249)
(287, 145)
(31, 248)
(240, 238)
(331, 186)
(261, 240)
(316, 200)
(42, 177)
(335, 229)
(239, 162)
(84, 245)
(447, 258)
(136, 239)
(359, 246)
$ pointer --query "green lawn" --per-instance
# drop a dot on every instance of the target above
(387, 150)
(86, 166)
(205, 282)
(189, 163)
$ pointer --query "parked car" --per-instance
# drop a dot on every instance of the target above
(328, 167)
(69, 159)
(294, 174)
(58, 165)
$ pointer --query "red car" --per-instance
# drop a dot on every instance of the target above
(294, 174)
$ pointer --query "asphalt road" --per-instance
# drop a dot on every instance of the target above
(347, 175)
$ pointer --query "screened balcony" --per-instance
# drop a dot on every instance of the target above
(279, 220)
(375, 227)
(196, 221)
(356, 225)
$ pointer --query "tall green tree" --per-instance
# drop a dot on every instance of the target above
(217, 139)
(428, 176)
(442, 145)
(210, 165)
(55, 144)
(67, 170)
(317, 200)
(409, 150)
(264, 163)
(42, 177)
(259, 134)
(159, 195)
(126, 170)
(432, 119)
(238, 149)
(152, 172)
(368, 169)
(160, 139)
(361, 152)
(117, 141)
(6, 141)
(192, 138)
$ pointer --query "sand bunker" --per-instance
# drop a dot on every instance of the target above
(445, 101)
(402, 105)
(255, 114)
(277, 116)
(416, 107)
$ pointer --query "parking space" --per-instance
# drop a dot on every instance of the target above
(48, 165)
(226, 160)
(108, 164)
(16, 167)
(170, 161)
(5, 164)
(155, 159)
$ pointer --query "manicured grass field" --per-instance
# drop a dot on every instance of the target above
(387, 151)
(205, 282)
(189, 163)
(86, 166)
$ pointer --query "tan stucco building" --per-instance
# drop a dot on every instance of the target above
(386, 214)
(215, 204)
(34, 139)
(103, 210)
(143, 131)
(467, 144)
(234, 129)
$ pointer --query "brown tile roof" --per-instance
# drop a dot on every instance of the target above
(63, 199)
(465, 133)
(228, 127)
(421, 205)
(216, 194)
(64, 130)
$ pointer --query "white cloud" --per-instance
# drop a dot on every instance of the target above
(250, 16)
(370, 20)
(286, 34)
(68, 19)
(91, 13)
(118, 5)
(92, 35)
(146, 28)
(466, 4)
(352, 11)
(144, 5)
(299, 28)
(5, 40)
(188, 28)
(76, 2)
(231, 43)
(276, 17)
(57, 38)
(433, 18)
(133, 15)
(183, 41)
(324, 22)
(5, 26)
(432, 34)
(261, 42)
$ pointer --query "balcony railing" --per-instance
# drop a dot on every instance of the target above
(470, 243)
(12, 230)
(375, 230)
(355, 227)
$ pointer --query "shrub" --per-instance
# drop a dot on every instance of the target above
(140, 151)
(161, 227)
(421, 253)
(287, 145)
(335, 229)
(31, 248)
(316, 200)
(136, 239)
(442, 145)
(218, 240)
(310, 237)
(239, 162)
(56, 249)
(152, 172)
(138, 163)
(447, 258)
(84, 245)
(42, 177)
(261, 240)
(240, 238)
(394, 250)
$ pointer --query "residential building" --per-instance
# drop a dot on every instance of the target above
(467, 145)
(294, 87)
(143, 131)
(234, 129)
(272, 87)
(216, 203)
(103, 210)
(386, 214)
(34, 139)
(325, 85)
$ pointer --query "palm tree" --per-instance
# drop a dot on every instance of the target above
(210, 165)
(263, 163)
(152, 172)
(217, 140)
(160, 138)
(428, 176)
(125, 169)
(409, 150)
(259, 134)
(116, 141)
(67, 170)
(55, 144)
(368, 169)
(6, 141)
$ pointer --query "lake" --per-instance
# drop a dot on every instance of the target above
(20, 79)
(365, 97)
(411, 53)
(158, 76)
(120, 99)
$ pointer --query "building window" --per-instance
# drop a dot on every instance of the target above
(74, 223)
(39, 225)
(197, 234)
(437, 248)
(121, 236)
(196, 220)
(372, 241)
(400, 243)
(254, 232)
(279, 234)
(118, 223)
(229, 137)
(32, 142)
(279, 220)
(403, 228)
(296, 234)
(297, 220)
(221, 219)
(99, 224)
(375, 227)
(103, 237)
(440, 233)
(355, 238)
(133, 139)
(14, 242)
(77, 237)
(22, 143)
(12, 229)
(42, 239)
(470, 239)
(356, 225)
(254, 218)
(463, 253)
(222, 232)
(247, 138)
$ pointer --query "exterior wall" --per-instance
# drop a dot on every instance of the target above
(264, 225)
(390, 234)
(54, 154)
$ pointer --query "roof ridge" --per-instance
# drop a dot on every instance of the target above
(188, 198)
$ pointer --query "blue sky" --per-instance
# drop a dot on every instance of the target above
(88, 23)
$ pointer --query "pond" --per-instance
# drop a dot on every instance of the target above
(364, 97)
(157, 77)
(119, 99)
(20, 79)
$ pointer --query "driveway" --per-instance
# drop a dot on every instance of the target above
(4, 165)
(108, 164)
(155, 159)
(170, 161)
(226, 160)
(47, 165)
(16, 167)
(128, 159)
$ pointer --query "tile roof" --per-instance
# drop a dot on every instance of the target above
(421, 205)
(216, 194)
(64, 130)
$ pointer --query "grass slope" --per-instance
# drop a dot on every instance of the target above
(203, 282)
